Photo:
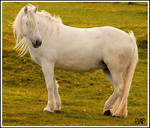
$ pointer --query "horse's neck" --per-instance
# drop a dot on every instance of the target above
(47, 27)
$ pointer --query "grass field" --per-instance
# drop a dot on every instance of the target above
(83, 95)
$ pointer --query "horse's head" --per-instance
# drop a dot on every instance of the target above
(30, 26)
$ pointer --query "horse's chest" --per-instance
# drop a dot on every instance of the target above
(35, 58)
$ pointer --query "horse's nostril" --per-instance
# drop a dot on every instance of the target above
(38, 42)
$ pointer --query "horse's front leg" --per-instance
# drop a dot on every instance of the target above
(48, 71)
(57, 97)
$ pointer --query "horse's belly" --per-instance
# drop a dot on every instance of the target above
(78, 66)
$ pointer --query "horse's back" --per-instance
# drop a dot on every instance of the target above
(84, 48)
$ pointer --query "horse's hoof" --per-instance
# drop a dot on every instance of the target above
(107, 113)
(118, 116)
(57, 107)
(46, 111)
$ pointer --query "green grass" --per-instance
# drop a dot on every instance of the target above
(83, 94)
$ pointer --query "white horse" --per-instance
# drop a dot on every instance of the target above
(53, 44)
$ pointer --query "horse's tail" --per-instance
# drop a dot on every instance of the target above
(131, 68)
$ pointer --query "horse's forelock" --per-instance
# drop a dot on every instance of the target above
(21, 44)
(17, 26)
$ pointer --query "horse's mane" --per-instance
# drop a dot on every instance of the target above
(50, 17)
(21, 44)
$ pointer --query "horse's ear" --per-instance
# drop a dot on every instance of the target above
(36, 8)
(25, 10)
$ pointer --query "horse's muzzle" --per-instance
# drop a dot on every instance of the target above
(37, 43)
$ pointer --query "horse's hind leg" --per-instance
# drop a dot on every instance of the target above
(121, 110)
(109, 103)
(114, 74)
(118, 92)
